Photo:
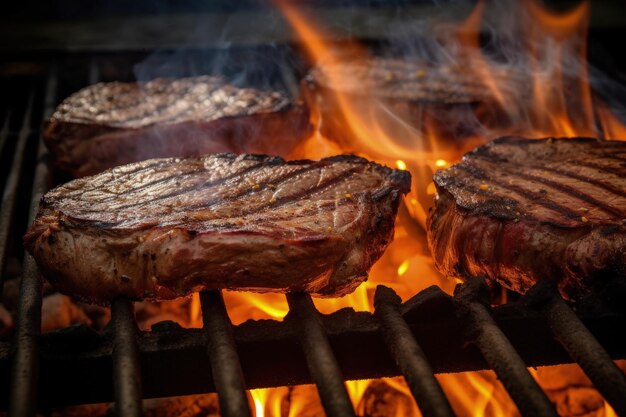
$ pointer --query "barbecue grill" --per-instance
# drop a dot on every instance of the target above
(428, 334)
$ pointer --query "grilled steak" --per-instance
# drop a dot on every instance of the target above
(517, 211)
(110, 124)
(404, 97)
(162, 228)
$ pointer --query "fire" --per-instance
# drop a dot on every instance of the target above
(539, 87)
(268, 402)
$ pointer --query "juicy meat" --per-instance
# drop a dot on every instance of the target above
(110, 124)
(162, 228)
(517, 211)
(450, 101)
(400, 79)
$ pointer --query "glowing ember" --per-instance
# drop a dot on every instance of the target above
(404, 266)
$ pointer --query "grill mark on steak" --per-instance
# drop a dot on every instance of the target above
(234, 178)
(602, 168)
(487, 209)
(312, 191)
(600, 184)
(191, 173)
(108, 187)
(563, 172)
(582, 254)
(569, 190)
(215, 204)
(613, 156)
(559, 186)
(178, 192)
(304, 234)
(137, 170)
(523, 192)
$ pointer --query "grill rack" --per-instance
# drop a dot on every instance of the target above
(498, 337)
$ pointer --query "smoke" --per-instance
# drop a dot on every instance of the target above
(246, 63)
(532, 61)
(508, 67)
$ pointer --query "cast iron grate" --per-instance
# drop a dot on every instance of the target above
(428, 334)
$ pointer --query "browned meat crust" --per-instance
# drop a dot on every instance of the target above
(111, 124)
(450, 101)
(517, 211)
(162, 228)
(400, 79)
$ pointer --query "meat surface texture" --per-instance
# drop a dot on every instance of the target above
(111, 124)
(518, 211)
(163, 228)
(452, 101)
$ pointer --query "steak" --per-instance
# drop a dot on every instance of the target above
(111, 124)
(517, 211)
(405, 97)
(163, 228)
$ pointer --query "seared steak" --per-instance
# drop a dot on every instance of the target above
(517, 211)
(110, 124)
(162, 228)
(404, 97)
(400, 79)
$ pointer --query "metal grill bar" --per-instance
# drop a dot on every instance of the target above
(26, 359)
(126, 369)
(588, 353)
(9, 196)
(4, 133)
(498, 351)
(25, 367)
(321, 361)
(409, 356)
(225, 365)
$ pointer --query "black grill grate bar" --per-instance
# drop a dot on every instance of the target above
(225, 365)
(321, 361)
(25, 367)
(585, 349)
(498, 351)
(10, 194)
(24, 376)
(409, 356)
(4, 133)
(126, 369)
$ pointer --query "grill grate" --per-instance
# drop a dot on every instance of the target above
(320, 358)
(126, 372)
(426, 335)
(226, 369)
(409, 356)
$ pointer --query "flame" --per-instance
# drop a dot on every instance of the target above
(608, 411)
(268, 402)
(194, 310)
(540, 88)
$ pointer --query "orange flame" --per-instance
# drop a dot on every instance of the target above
(542, 91)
